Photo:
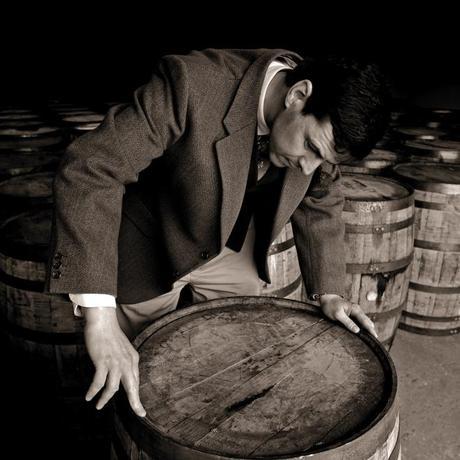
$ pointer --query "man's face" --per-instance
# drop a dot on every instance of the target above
(301, 141)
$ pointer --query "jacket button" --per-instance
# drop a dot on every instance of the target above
(58, 256)
(56, 274)
(57, 264)
(204, 255)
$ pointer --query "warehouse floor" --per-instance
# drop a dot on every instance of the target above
(429, 389)
(428, 370)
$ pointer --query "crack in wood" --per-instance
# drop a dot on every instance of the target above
(246, 401)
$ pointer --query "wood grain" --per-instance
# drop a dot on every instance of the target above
(256, 378)
(433, 305)
(375, 238)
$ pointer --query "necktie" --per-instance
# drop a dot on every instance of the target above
(262, 149)
(262, 146)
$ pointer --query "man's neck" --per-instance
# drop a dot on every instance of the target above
(274, 98)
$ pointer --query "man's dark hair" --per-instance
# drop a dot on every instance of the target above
(354, 94)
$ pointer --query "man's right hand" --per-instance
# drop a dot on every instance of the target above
(114, 358)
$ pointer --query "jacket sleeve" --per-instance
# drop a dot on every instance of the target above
(319, 234)
(91, 178)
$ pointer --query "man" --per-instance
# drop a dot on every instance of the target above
(170, 191)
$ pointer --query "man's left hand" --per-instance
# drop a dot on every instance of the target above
(339, 309)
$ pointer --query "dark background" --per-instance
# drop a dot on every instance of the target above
(74, 53)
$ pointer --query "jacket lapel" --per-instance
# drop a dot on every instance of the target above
(234, 151)
(234, 157)
(295, 187)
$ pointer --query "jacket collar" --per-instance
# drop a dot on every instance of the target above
(244, 108)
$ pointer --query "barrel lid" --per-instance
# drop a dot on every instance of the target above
(29, 131)
(21, 124)
(12, 161)
(11, 111)
(85, 126)
(435, 145)
(26, 236)
(357, 187)
(377, 160)
(87, 118)
(377, 154)
(436, 150)
(18, 116)
(35, 185)
(259, 377)
(76, 113)
(419, 133)
(434, 177)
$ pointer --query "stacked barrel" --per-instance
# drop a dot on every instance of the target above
(379, 216)
(433, 305)
(426, 144)
(43, 337)
(284, 269)
(420, 152)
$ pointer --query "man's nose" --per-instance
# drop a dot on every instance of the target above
(309, 166)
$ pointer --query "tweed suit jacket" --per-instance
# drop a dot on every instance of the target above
(155, 190)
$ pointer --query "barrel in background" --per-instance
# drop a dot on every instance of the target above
(439, 151)
(379, 216)
(42, 333)
(433, 306)
(283, 266)
(23, 192)
(378, 162)
(31, 138)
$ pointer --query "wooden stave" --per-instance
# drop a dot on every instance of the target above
(430, 152)
(283, 267)
(365, 276)
(123, 442)
(432, 205)
(378, 162)
(40, 328)
(13, 163)
(426, 185)
(52, 140)
(389, 417)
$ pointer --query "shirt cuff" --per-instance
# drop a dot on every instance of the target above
(91, 301)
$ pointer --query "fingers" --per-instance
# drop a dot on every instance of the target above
(113, 383)
(363, 319)
(342, 317)
(131, 385)
(98, 382)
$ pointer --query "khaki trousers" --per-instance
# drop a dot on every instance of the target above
(228, 274)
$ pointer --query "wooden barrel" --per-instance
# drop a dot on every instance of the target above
(31, 138)
(378, 162)
(81, 124)
(24, 117)
(379, 219)
(433, 117)
(284, 269)
(416, 133)
(41, 328)
(22, 124)
(43, 335)
(439, 150)
(25, 191)
(13, 163)
(433, 305)
(255, 377)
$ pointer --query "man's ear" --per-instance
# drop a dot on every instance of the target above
(298, 94)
